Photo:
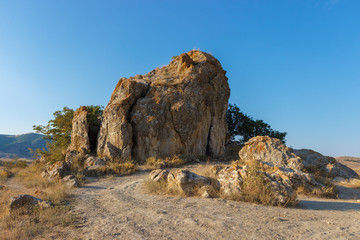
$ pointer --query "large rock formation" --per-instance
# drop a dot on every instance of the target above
(177, 109)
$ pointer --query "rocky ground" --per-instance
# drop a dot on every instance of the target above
(119, 208)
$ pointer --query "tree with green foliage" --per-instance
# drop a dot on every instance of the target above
(58, 131)
(242, 126)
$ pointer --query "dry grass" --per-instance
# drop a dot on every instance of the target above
(46, 223)
(175, 161)
(113, 168)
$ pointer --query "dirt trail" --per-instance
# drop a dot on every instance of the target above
(118, 208)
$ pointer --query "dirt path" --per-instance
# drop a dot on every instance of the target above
(118, 208)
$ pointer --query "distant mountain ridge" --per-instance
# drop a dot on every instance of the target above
(12, 146)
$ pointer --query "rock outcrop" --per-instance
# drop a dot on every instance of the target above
(314, 160)
(79, 134)
(80, 143)
(274, 153)
(177, 109)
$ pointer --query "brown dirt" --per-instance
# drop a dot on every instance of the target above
(119, 208)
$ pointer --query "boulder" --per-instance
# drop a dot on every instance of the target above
(314, 160)
(269, 151)
(186, 182)
(177, 109)
(272, 152)
(27, 203)
(94, 161)
(232, 181)
(56, 171)
(159, 175)
(70, 181)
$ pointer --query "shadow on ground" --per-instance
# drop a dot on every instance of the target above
(328, 205)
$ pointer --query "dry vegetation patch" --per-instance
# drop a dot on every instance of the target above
(53, 222)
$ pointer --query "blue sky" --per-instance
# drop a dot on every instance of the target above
(293, 63)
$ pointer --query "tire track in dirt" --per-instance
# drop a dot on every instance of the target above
(118, 208)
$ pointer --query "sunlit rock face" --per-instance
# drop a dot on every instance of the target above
(177, 109)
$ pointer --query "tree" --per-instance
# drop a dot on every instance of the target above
(58, 131)
(245, 127)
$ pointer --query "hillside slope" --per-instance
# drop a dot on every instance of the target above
(18, 145)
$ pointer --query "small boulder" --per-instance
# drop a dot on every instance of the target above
(186, 182)
(70, 181)
(56, 171)
(159, 175)
(27, 203)
(94, 161)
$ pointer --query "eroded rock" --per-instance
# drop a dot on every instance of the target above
(70, 181)
(186, 182)
(270, 151)
(233, 178)
(176, 109)
(27, 203)
(159, 175)
(314, 160)
(56, 171)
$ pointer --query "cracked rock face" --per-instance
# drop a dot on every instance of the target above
(79, 135)
(177, 109)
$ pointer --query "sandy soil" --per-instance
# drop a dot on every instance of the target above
(118, 208)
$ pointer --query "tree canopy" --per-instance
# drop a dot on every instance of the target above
(244, 127)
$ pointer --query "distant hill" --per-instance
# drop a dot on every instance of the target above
(12, 146)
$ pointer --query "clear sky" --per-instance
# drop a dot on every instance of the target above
(294, 63)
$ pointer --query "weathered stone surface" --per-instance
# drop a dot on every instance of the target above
(176, 109)
(159, 175)
(80, 143)
(232, 178)
(56, 171)
(94, 161)
(270, 151)
(27, 203)
(273, 152)
(186, 182)
(314, 160)
(70, 181)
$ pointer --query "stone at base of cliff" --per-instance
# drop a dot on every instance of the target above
(56, 171)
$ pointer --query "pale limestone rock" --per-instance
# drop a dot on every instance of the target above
(315, 160)
(70, 181)
(159, 175)
(186, 182)
(176, 109)
(270, 151)
(232, 178)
